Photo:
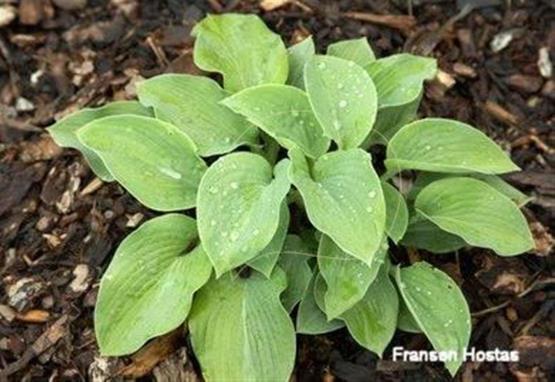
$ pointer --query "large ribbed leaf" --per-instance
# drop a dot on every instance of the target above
(192, 104)
(64, 131)
(397, 214)
(240, 331)
(148, 288)
(239, 207)
(299, 54)
(444, 145)
(478, 213)
(423, 234)
(242, 49)
(343, 98)
(343, 199)
(438, 307)
(284, 113)
(294, 262)
(356, 50)
(154, 160)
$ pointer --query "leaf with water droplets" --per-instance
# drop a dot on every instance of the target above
(372, 321)
(357, 50)
(192, 104)
(438, 307)
(284, 113)
(476, 212)
(148, 288)
(343, 98)
(153, 160)
(294, 262)
(399, 78)
(240, 331)
(299, 54)
(445, 145)
(343, 199)
(64, 132)
(242, 49)
(423, 234)
(397, 214)
(238, 208)
(347, 278)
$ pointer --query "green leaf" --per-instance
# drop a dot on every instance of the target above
(343, 98)
(399, 78)
(148, 288)
(347, 278)
(242, 49)
(405, 320)
(343, 199)
(64, 132)
(284, 113)
(310, 318)
(475, 211)
(444, 145)
(423, 234)
(439, 308)
(154, 160)
(241, 332)
(299, 54)
(373, 320)
(191, 103)
(266, 260)
(356, 50)
(238, 208)
(294, 262)
(397, 214)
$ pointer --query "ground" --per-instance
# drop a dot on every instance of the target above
(59, 225)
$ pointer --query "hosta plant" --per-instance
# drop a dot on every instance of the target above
(275, 218)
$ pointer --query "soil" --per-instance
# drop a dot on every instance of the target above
(59, 225)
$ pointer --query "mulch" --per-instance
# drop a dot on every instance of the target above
(59, 225)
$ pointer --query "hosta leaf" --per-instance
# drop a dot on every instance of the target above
(399, 78)
(405, 320)
(475, 211)
(191, 103)
(265, 261)
(424, 234)
(64, 131)
(294, 262)
(299, 54)
(347, 278)
(154, 160)
(373, 320)
(343, 199)
(397, 214)
(240, 331)
(438, 307)
(148, 288)
(284, 113)
(343, 98)
(356, 50)
(242, 49)
(444, 145)
(239, 207)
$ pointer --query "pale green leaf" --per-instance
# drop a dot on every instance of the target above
(154, 160)
(238, 208)
(343, 199)
(347, 278)
(241, 332)
(192, 104)
(284, 113)
(266, 260)
(343, 98)
(299, 54)
(405, 320)
(438, 307)
(294, 261)
(64, 132)
(242, 49)
(148, 288)
(397, 214)
(357, 50)
(373, 320)
(423, 234)
(399, 78)
(445, 145)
